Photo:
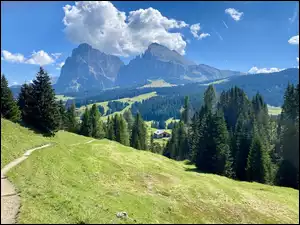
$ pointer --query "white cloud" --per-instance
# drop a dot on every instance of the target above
(37, 58)
(56, 55)
(40, 58)
(298, 59)
(60, 65)
(15, 83)
(204, 35)
(110, 30)
(294, 40)
(235, 14)
(14, 58)
(195, 28)
(225, 24)
(255, 70)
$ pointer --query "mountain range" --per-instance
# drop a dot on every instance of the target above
(88, 68)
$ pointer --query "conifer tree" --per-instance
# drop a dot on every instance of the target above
(139, 133)
(97, 130)
(86, 127)
(45, 109)
(110, 131)
(129, 119)
(185, 116)
(63, 116)
(258, 161)
(26, 102)
(9, 107)
(71, 122)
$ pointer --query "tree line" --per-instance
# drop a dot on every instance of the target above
(235, 137)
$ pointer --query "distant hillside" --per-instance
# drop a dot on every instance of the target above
(81, 182)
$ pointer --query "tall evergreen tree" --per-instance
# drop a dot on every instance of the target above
(258, 161)
(110, 130)
(9, 107)
(122, 134)
(210, 98)
(63, 115)
(185, 116)
(45, 109)
(129, 119)
(86, 126)
(26, 103)
(71, 122)
(97, 130)
(138, 138)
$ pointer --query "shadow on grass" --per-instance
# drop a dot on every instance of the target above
(196, 170)
(35, 130)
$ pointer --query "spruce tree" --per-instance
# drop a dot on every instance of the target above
(71, 122)
(97, 130)
(9, 107)
(123, 131)
(86, 126)
(138, 138)
(63, 115)
(26, 103)
(129, 119)
(258, 161)
(45, 109)
(185, 116)
(110, 131)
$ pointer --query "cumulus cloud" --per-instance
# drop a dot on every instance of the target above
(104, 27)
(10, 57)
(235, 14)
(60, 65)
(195, 28)
(255, 70)
(294, 40)
(40, 58)
(37, 58)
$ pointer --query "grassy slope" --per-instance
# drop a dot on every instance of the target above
(91, 182)
(132, 100)
(63, 97)
(157, 83)
(15, 140)
(273, 110)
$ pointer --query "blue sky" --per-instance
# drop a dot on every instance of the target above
(232, 35)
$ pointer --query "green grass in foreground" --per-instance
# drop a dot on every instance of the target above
(89, 183)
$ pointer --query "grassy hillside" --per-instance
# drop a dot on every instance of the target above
(157, 84)
(273, 110)
(132, 100)
(91, 182)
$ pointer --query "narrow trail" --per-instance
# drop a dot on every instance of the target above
(10, 200)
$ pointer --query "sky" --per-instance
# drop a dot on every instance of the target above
(249, 36)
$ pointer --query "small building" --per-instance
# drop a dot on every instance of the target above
(161, 134)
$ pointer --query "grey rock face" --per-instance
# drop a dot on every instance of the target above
(159, 62)
(88, 68)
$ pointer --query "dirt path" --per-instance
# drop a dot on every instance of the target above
(10, 200)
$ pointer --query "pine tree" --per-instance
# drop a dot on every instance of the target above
(71, 122)
(123, 131)
(97, 130)
(45, 109)
(185, 116)
(110, 131)
(210, 99)
(9, 107)
(26, 103)
(129, 119)
(86, 126)
(139, 133)
(258, 161)
(161, 124)
(63, 116)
